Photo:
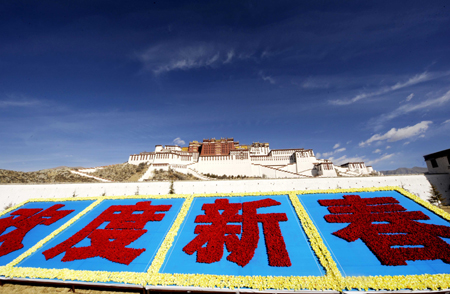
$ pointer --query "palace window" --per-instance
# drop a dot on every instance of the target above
(433, 163)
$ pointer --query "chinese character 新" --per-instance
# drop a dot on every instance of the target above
(219, 229)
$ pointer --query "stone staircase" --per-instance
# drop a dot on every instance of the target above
(192, 172)
(146, 175)
(288, 174)
(89, 176)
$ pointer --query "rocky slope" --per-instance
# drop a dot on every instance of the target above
(122, 172)
(405, 171)
(62, 175)
(171, 175)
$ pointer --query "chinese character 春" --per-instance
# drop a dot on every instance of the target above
(125, 225)
(24, 220)
(388, 230)
(222, 229)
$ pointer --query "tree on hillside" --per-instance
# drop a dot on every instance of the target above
(171, 191)
(436, 197)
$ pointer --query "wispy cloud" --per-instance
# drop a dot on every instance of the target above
(429, 103)
(394, 134)
(344, 159)
(230, 56)
(315, 83)
(328, 154)
(173, 56)
(266, 78)
(419, 78)
(377, 151)
(178, 141)
(14, 100)
(410, 107)
(336, 145)
(446, 122)
(410, 96)
(384, 157)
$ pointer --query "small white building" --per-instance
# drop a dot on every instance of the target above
(439, 162)
(227, 157)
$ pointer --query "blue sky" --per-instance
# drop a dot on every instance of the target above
(87, 83)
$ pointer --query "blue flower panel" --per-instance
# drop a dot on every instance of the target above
(302, 258)
(32, 222)
(102, 256)
(354, 258)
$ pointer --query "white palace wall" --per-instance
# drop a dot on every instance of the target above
(227, 166)
(417, 184)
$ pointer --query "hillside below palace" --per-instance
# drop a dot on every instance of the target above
(227, 157)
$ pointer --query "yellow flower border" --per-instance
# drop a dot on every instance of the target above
(392, 283)
(333, 280)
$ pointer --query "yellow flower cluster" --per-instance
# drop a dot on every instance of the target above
(413, 282)
(393, 283)
(424, 203)
(333, 279)
(316, 242)
(170, 237)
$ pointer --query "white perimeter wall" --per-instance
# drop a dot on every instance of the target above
(417, 184)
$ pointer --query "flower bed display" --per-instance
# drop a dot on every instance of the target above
(297, 240)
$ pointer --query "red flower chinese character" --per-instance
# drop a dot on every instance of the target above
(124, 227)
(388, 230)
(26, 220)
(220, 233)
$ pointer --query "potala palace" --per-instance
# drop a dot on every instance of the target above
(227, 157)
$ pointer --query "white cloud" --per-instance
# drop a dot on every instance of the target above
(173, 56)
(410, 96)
(425, 104)
(14, 100)
(266, 78)
(8, 103)
(399, 134)
(327, 154)
(336, 146)
(339, 150)
(419, 78)
(414, 80)
(384, 157)
(377, 151)
(344, 159)
(406, 143)
(178, 141)
(230, 55)
(407, 108)
(388, 147)
(446, 122)
(311, 83)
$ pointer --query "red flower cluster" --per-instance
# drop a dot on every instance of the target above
(24, 220)
(388, 230)
(220, 233)
(124, 227)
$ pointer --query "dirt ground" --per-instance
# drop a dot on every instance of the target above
(25, 289)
